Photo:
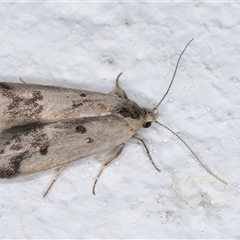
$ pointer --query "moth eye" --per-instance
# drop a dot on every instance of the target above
(147, 124)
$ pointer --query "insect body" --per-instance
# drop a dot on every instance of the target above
(61, 126)
(46, 127)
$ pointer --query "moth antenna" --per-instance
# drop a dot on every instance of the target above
(201, 163)
(174, 74)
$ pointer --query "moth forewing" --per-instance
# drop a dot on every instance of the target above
(28, 103)
(36, 147)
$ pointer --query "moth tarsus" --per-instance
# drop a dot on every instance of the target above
(54, 180)
(105, 162)
(48, 127)
(146, 151)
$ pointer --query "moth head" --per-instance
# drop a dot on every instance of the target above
(150, 116)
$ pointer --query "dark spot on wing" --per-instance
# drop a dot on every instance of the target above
(5, 86)
(130, 111)
(81, 129)
(12, 169)
(16, 146)
(36, 95)
(44, 150)
(83, 95)
(22, 106)
(40, 142)
(76, 104)
(103, 107)
(29, 136)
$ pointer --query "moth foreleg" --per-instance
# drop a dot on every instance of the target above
(120, 92)
(105, 162)
(54, 179)
(146, 151)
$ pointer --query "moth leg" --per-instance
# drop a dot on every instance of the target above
(119, 91)
(105, 162)
(146, 151)
(54, 179)
(112, 92)
(21, 80)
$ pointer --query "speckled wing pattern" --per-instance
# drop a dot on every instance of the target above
(45, 127)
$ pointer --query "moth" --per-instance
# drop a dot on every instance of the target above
(49, 127)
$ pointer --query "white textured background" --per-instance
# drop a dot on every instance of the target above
(85, 45)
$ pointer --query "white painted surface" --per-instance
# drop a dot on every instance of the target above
(85, 45)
